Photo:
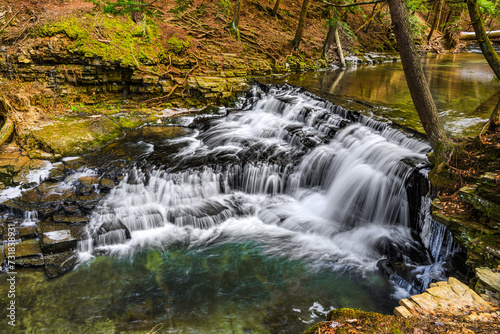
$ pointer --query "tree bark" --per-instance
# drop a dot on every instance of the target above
(137, 17)
(329, 38)
(236, 20)
(417, 83)
(482, 38)
(495, 118)
(276, 7)
(339, 46)
(300, 27)
(437, 18)
(372, 14)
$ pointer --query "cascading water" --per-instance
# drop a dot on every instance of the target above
(305, 179)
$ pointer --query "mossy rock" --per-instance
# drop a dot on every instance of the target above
(346, 320)
(76, 135)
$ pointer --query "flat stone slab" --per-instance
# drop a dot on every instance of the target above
(26, 232)
(28, 253)
(58, 241)
(28, 248)
(450, 298)
(489, 277)
(58, 264)
(70, 219)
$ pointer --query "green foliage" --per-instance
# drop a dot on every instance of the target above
(178, 46)
(332, 21)
(121, 7)
(346, 30)
(488, 7)
(417, 28)
(418, 5)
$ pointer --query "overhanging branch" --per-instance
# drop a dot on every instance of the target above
(353, 4)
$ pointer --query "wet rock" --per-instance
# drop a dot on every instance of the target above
(28, 248)
(70, 219)
(88, 181)
(471, 195)
(58, 264)
(26, 232)
(12, 233)
(75, 164)
(488, 283)
(28, 253)
(56, 175)
(86, 184)
(58, 241)
(106, 184)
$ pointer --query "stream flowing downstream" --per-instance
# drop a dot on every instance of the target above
(257, 220)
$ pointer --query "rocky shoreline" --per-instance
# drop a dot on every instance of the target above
(445, 307)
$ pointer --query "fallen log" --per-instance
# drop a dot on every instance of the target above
(469, 36)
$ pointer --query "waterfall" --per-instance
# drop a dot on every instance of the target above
(304, 178)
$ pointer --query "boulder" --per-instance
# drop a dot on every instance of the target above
(58, 241)
(488, 283)
(452, 298)
(58, 264)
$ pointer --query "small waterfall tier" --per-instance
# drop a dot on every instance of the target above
(304, 178)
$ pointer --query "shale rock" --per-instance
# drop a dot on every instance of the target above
(451, 298)
(58, 241)
(488, 284)
(58, 264)
(28, 253)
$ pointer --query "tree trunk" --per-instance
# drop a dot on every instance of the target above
(300, 27)
(329, 38)
(482, 38)
(276, 7)
(339, 46)
(137, 17)
(417, 83)
(437, 18)
(372, 14)
(495, 118)
(236, 20)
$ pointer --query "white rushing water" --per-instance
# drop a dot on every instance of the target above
(296, 174)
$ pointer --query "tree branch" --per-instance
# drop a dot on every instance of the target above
(353, 4)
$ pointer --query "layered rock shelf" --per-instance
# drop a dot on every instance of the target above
(447, 300)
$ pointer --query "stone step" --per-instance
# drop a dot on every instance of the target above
(452, 298)
(471, 195)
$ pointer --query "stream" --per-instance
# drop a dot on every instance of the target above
(257, 220)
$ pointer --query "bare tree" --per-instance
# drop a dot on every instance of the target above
(300, 27)
(236, 19)
(417, 83)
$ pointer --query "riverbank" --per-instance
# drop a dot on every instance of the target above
(67, 68)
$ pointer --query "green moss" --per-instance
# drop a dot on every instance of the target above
(86, 134)
(115, 39)
(177, 45)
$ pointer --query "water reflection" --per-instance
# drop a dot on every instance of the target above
(463, 85)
